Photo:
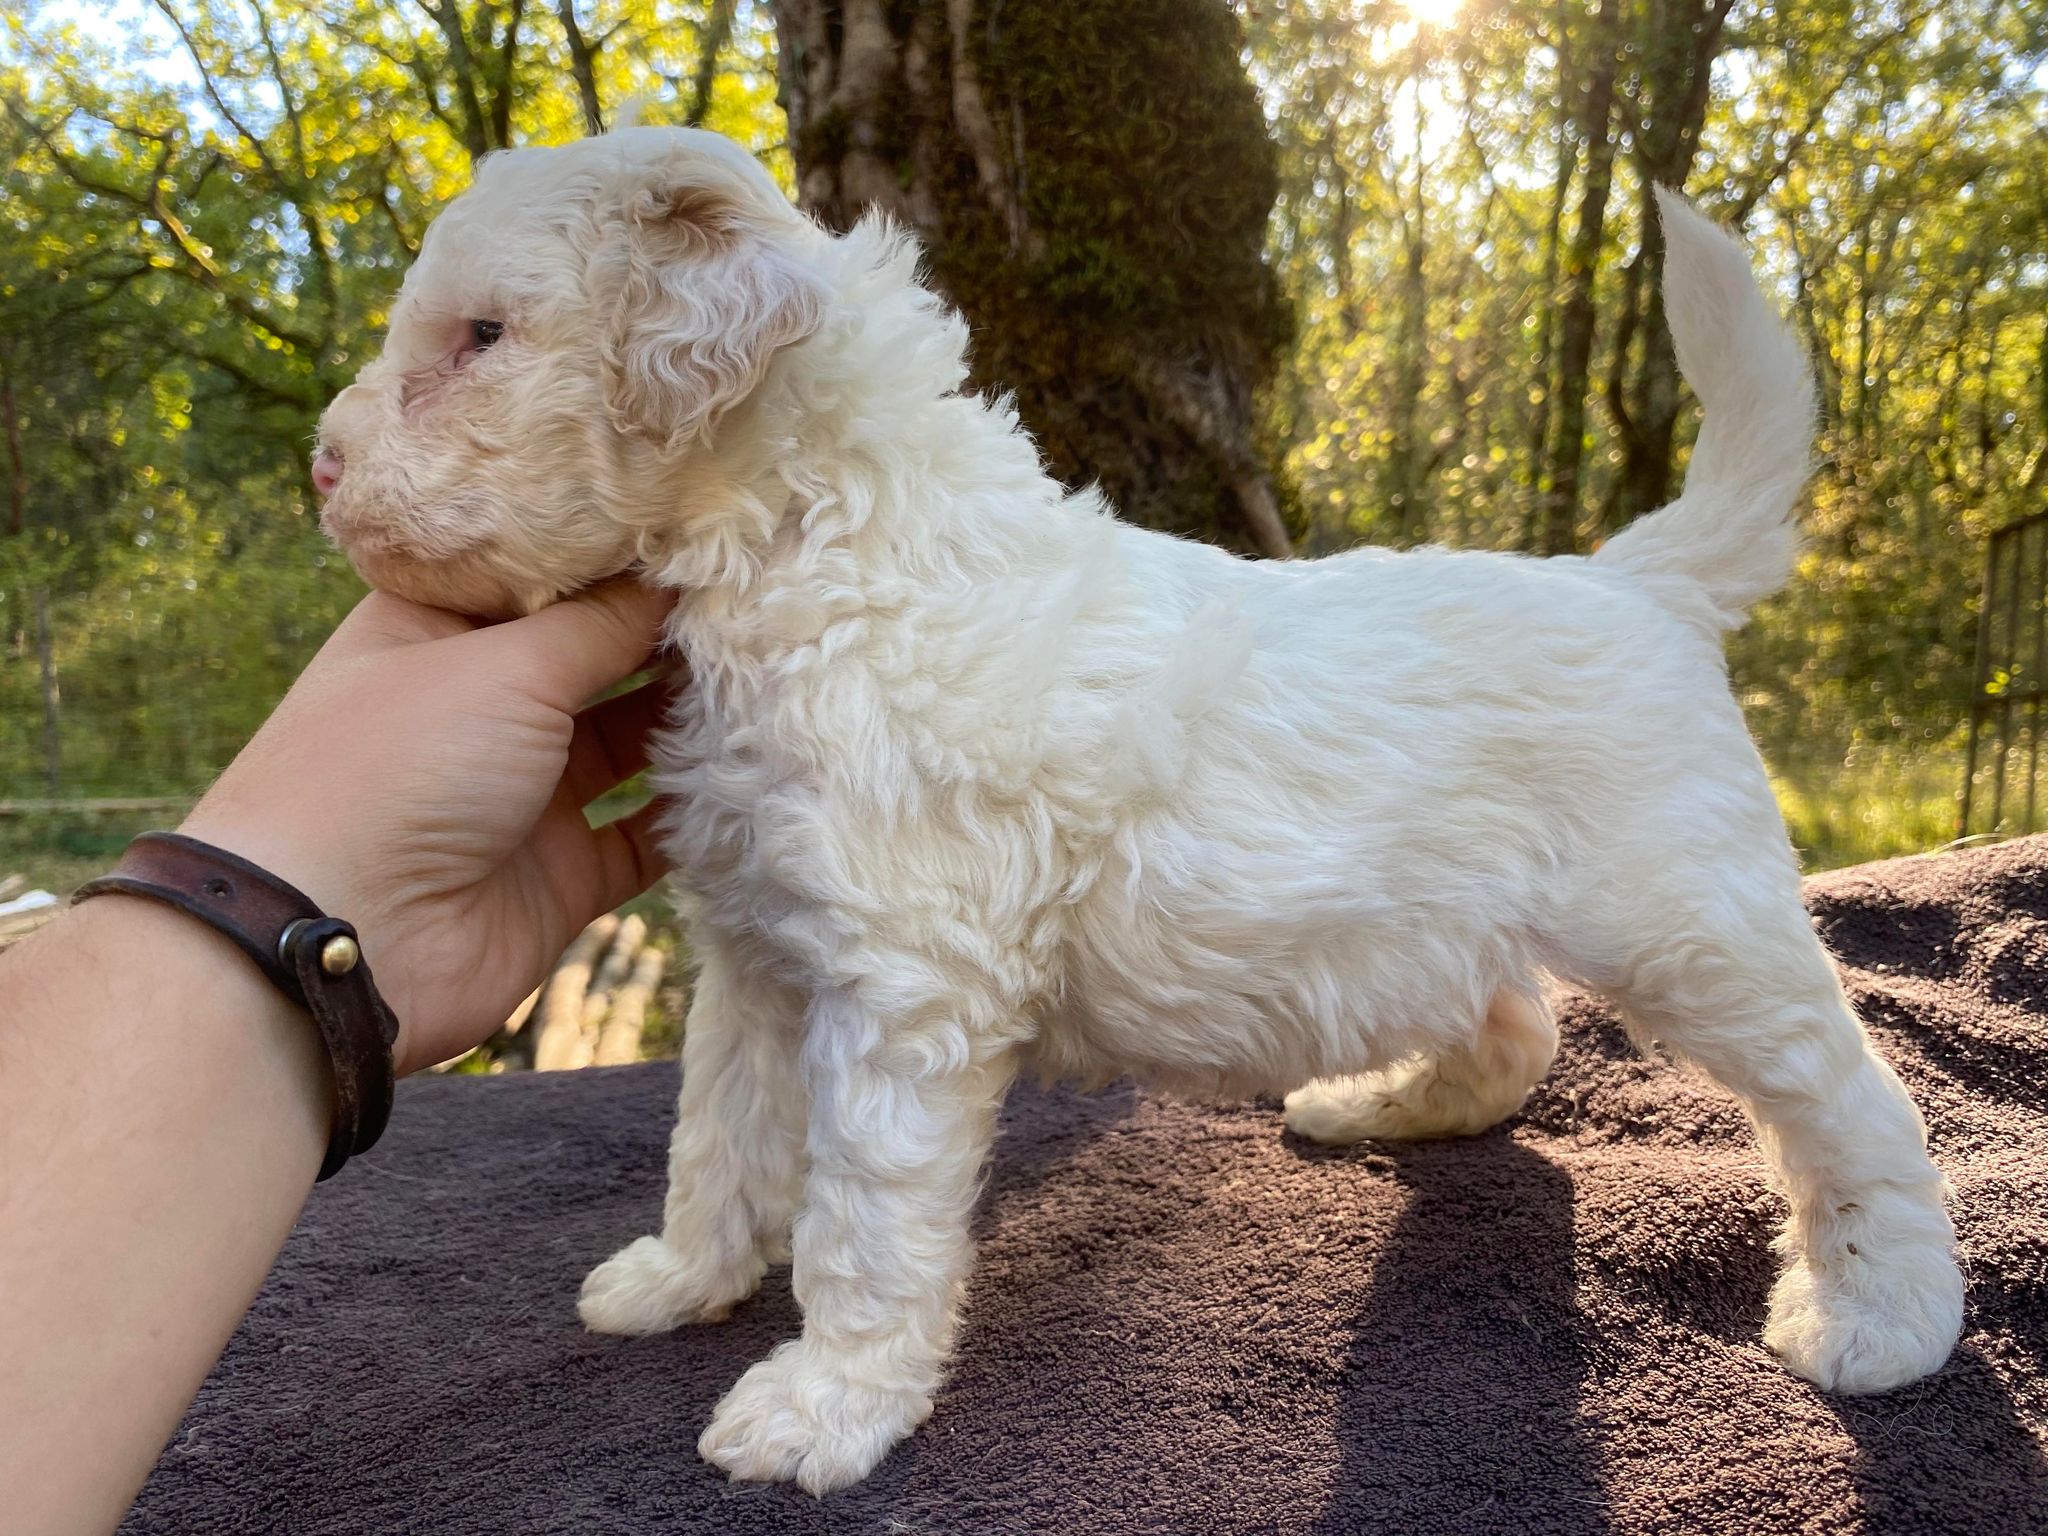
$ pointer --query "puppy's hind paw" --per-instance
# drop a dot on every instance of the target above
(1410, 1102)
(1869, 1322)
(1461, 1091)
(648, 1287)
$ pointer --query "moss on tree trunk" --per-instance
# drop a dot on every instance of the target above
(1092, 180)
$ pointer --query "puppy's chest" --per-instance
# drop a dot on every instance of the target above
(913, 764)
(734, 786)
(820, 852)
(826, 796)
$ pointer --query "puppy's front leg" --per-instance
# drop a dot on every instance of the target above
(735, 1161)
(899, 1129)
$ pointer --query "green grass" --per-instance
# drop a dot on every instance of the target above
(1873, 804)
(61, 852)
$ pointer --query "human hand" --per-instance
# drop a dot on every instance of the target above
(425, 780)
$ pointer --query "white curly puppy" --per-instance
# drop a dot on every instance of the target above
(976, 779)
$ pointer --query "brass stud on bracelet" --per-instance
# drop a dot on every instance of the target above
(338, 956)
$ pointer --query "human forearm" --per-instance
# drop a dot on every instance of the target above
(163, 1109)
(162, 1114)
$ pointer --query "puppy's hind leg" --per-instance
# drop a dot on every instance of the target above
(1733, 978)
(1454, 1094)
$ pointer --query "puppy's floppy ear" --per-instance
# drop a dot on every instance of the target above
(710, 290)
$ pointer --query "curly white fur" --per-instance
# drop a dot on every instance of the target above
(975, 778)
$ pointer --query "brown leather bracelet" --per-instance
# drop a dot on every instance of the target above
(312, 958)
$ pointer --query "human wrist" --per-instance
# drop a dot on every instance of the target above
(242, 1043)
(288, 842)
(162, 1113)
(295, 845)
(312, 958)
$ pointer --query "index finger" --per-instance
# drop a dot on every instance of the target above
(572, 650)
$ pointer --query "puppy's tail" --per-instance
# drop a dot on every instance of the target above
(1730, 535)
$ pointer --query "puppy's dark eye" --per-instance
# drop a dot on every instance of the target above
(485, 333)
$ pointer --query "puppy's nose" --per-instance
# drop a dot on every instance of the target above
(326, 471)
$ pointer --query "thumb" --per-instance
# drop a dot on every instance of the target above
(570, 651)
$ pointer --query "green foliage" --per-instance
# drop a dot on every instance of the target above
(198, 237)
(176, 650)
(59, 853)
(1887, 162)
(1873, 804)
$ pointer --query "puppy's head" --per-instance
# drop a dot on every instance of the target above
(579, 326)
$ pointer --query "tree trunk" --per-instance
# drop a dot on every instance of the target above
(1575, 333)
(711, 43)
(1681, 40)
(2037, 477)
(1865, 302)
(1411, 342)
(1533, 532)
(17, 463)
(583, 66)
(46, 669)
(1091, 181)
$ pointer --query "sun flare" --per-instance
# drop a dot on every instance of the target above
(1433, 13)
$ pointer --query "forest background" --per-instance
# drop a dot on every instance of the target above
(1291, 277)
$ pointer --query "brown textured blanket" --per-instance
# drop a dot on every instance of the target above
(1184, 1320)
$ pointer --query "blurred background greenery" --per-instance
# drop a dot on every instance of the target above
(1276, 274)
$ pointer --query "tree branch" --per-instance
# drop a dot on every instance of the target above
(198, 266)
(250, 381)
(290, 187)
(717, 33)
(582, 65)
(503, 91)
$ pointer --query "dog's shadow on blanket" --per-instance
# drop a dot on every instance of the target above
(1949, 1453)
(1470, 1318)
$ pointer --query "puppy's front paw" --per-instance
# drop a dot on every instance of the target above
(800, 1416)
(1872, 1321)
(648, 1287)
